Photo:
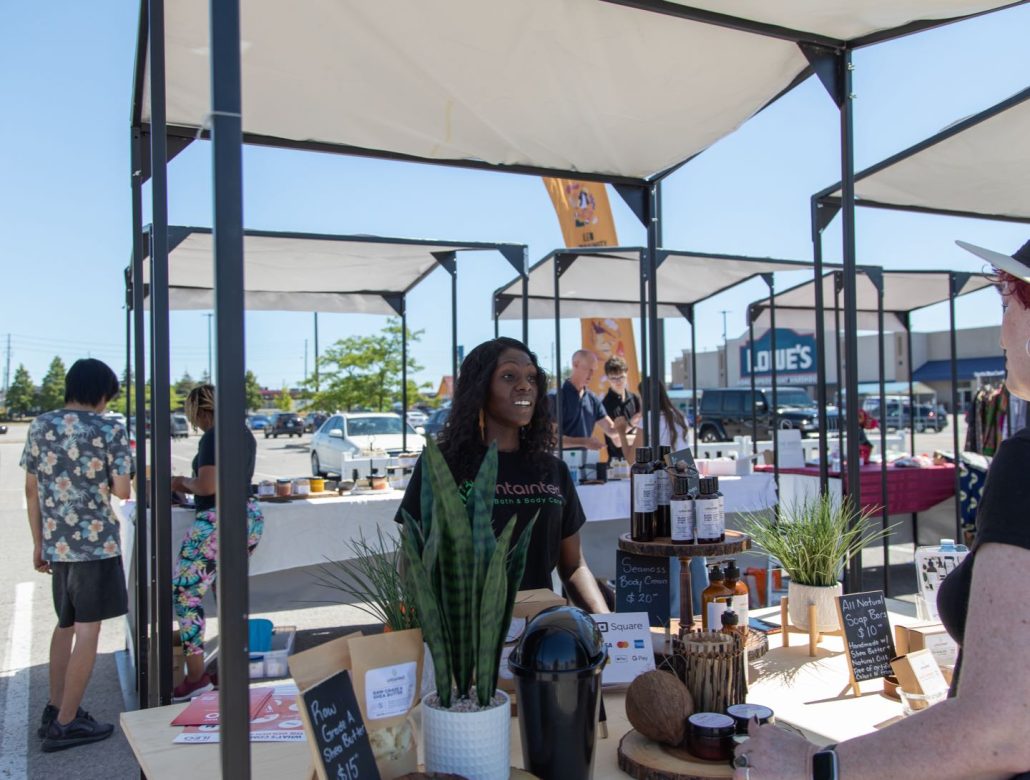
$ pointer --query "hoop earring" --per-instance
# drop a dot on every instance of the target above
(482, 425)
(1027, 346)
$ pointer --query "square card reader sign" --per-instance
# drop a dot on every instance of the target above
(627, 635)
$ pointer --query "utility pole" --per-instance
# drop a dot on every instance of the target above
(7, 367)
(210, 372)
(305, 360)
(316, 352)
(725, 351)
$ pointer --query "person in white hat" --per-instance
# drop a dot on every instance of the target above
(980, 730)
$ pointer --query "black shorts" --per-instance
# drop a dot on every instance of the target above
(89, 591)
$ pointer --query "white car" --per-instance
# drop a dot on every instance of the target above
(349, 434)
(417, 417)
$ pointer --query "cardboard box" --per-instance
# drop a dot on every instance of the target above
(528, 604)
(918, 672)
(927, 636)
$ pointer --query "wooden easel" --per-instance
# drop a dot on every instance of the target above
(814, 635)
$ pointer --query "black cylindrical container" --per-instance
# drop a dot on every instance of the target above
(663, 494)
(709, 512)
(681, 512)
(557, 667)
(643, 498)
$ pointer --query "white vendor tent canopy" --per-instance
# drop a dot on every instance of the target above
(973, 168)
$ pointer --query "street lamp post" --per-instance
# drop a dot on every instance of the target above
(725, 351)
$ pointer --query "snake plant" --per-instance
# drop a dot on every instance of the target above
(462, 578)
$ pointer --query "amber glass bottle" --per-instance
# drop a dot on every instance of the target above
(714, 600)
(663, 494)
(740, 593)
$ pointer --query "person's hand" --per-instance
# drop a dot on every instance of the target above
(39, 563)
(179, 484)
(621, 424)
(773, 753)
(636, 420)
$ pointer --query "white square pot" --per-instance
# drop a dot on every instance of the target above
(476, 745)
(825, 600)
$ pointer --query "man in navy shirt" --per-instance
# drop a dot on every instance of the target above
(581, 409)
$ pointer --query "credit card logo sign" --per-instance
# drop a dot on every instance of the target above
(622, 644)
(638, 644)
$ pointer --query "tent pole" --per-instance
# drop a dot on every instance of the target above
(160, 384)
(820, 350)
(454, 320)
(877, 279)
(774, 412)
(139, 552)
(525, 295)
(693, 372)
(404, 372)
(654, 240)
(317, 386)
(644, 362)
(955, 285)
(847, 152)
(838, 284)
(751, 352)
(907, 319)
(557, 352)
(233, 491)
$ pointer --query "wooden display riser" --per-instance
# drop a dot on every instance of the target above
(288, 499)
(643, 759)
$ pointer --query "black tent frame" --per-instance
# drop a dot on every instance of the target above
(157, 528)
(829, 58)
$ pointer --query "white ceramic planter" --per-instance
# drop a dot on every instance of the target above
(476, 745)
(824, 598)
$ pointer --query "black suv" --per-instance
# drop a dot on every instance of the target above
(287, 423)
(726, 412)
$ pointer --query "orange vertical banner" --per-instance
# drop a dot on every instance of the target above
(584, 213)
(607, 337)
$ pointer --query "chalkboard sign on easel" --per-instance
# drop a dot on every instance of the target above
(867, 635)
(337, 734)
(642, 584)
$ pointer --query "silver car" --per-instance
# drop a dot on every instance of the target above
(352, 433)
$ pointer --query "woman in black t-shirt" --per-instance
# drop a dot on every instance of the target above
(497, 398)
(981, 730)
(198, 554)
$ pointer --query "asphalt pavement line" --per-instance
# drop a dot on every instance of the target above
(17, 660)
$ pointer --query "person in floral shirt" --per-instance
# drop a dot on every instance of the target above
(75, 460)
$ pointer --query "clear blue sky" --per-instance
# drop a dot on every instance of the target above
(65, 208)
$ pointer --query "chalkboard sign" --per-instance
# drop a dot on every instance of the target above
(867, 634)
(339, 739)
(642, 584)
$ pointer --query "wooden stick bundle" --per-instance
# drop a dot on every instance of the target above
(713, 670)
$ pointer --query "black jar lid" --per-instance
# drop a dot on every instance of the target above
(559, 639)
(681, 486)
(711, 724)
(708, 485)
(644, 454)
(743, 713)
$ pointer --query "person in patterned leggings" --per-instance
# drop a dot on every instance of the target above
(198, 555)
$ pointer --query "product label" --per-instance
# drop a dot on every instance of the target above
(711, 720)
(711, 517)
(682, 516)
(715, 610)
(390, 690)
(645, 494)
(664, 487)
(739, 605)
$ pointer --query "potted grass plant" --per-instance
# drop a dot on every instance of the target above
(813, 540)
(463, 581)
(371, 580)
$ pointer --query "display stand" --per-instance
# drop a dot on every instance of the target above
(734, 543)
(644, 759)
(814, 635)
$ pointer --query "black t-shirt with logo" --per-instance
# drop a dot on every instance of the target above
(1003, 517)
(523, 489)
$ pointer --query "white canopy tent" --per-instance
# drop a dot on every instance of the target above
(481, 83)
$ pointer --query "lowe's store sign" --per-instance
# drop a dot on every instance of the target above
(795, 358)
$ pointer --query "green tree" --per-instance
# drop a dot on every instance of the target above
(365, 371)
(51, 390)
(21, 395)
(283, 401)
(253, 391)
(185, 384)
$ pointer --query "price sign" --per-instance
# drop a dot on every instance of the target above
(642, 585)
(867, 634)
(339, 738)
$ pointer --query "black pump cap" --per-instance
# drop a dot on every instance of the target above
(715, 574)
(663, 450)
(682, 485)
(708, 485)
(729, 618)
(732, 572)
(644, 454)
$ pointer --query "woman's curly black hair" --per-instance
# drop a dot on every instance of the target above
(460, 440)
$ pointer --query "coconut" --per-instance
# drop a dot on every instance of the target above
(658, 705)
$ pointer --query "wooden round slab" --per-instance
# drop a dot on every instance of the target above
(734, 543)
(643, 759)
